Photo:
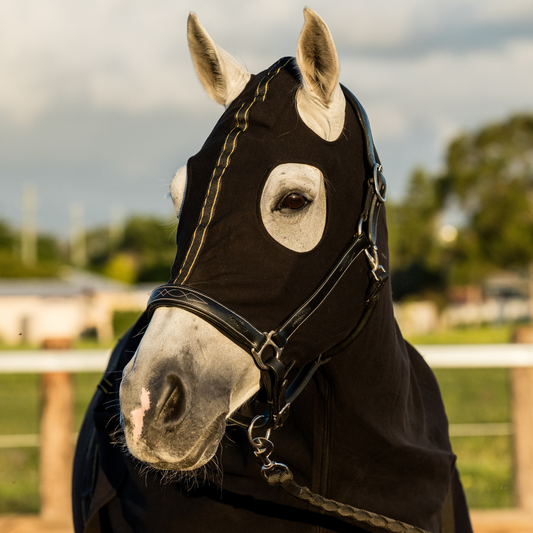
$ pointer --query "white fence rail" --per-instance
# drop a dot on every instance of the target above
(55, 365)
(42, 361)
(437, 356)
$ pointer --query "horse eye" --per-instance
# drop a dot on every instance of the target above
(293, 201)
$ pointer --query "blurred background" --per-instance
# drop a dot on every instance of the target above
(99, 106)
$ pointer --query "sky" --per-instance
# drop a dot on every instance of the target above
(100, 105)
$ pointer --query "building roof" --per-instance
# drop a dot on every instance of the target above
(71, 282)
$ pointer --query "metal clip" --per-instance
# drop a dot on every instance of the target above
(382, 183)
(263, 448)
(373, 259)
(380, 274)
(256, 441)
(360, 226)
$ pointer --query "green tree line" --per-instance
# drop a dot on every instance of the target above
(143, 250)
(487, 182)
(49, 255)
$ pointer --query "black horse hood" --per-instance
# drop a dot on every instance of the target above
(224, 249)
(383, 412)
(368, 430)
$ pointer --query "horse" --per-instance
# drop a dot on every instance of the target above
(329, 421)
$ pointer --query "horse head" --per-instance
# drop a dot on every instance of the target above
(266, 209)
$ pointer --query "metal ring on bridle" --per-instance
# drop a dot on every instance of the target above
(256, 441)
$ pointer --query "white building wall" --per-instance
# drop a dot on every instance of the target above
(31, 319)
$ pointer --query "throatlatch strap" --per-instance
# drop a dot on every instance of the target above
(282, 334)
(285, 479)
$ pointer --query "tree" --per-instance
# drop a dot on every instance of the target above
(144, 252)
(49, 257)
(490, 173)
(416, 267)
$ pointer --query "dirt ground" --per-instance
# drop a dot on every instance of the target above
(32, 524)
(504, 521)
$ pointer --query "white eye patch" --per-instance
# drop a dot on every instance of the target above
(178, 186)
(293, 206)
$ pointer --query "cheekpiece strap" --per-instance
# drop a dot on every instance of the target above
(358, 244)
(377, 185)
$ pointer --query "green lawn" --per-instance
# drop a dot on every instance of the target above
(19, 415)
(481, 335)
(470, 396)
(481, 395)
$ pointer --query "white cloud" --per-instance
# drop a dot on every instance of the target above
(131, 55)
(423, 70)
(388, 120)
(510, 10)
(110, 53)
(443, 91)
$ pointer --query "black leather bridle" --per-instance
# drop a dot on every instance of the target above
(279, 392)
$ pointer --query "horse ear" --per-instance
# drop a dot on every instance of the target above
(321, 103)
(222, 77)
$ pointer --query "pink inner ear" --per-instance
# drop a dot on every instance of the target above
(137, 415)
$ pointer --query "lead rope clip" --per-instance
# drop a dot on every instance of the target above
(263, 448)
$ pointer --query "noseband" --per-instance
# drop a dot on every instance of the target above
(266, 348)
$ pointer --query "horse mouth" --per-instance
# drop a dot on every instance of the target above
(170, 453)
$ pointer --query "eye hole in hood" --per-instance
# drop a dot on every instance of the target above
(299, 228)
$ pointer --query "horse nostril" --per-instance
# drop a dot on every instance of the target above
(172, 403)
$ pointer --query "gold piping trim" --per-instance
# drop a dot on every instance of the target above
(228, 158)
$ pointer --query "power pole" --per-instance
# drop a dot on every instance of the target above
(28, 235)
(116, 226)
(530, 272)
(78, 252)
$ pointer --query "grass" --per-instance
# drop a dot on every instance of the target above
(470, 396)
(19, 415)
(480, 335)
(19, 480)
(485, 467)
(481, 395)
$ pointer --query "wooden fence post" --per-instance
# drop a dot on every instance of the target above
(522, 386)
(57, 450)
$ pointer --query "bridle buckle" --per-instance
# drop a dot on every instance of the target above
(258, 354)
(377, 270)
(379, 184)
